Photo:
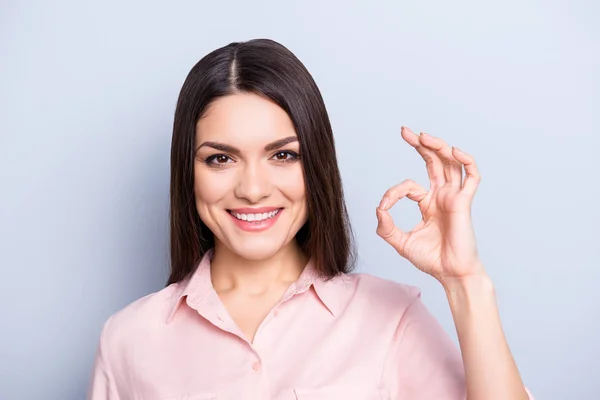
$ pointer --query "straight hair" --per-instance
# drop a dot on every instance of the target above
(266, 68)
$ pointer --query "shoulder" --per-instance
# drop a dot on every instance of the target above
(140, 317)
(383, 294)
(381, 288)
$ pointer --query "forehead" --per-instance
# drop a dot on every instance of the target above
(244, 118)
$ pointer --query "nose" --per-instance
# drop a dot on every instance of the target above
(253, 183)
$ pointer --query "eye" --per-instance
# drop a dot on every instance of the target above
(286, 155)
(218, 159)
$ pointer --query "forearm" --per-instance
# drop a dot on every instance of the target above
(491, 372)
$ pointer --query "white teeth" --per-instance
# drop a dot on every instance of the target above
(255, 217)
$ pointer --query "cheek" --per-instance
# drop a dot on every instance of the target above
(292, 186)
(209, 188)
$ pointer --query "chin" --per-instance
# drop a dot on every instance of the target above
(256, 249)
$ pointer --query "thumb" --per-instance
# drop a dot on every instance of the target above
(387, 229)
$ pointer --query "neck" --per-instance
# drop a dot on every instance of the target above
(230, 271)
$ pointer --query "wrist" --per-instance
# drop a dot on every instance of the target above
(469, 291)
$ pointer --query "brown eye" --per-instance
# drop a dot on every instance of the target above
(287, 155)
(218, 160)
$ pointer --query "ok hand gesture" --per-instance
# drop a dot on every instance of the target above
(443, 243)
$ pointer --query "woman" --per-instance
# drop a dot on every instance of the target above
(261, 303)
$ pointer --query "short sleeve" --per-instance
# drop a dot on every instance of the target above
(102, 384)
(424, 362)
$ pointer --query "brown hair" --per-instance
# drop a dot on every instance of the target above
(267, 68)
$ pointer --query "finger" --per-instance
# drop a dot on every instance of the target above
(407, 188)
(433, 163)
(385, 226)
(472, 176)
(388, 231)
(452, 168)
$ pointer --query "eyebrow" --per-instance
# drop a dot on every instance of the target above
(230, 149)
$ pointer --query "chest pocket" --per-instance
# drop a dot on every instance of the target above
(345, 392)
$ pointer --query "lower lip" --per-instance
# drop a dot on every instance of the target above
(254, 226)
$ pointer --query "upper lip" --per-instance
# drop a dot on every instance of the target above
(259, 210)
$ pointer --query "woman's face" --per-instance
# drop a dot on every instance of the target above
(249, 182)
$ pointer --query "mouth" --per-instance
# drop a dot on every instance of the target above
(255, 217)
(255, 221)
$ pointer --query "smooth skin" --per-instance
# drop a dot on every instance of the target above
(250, 271)
(443, 245)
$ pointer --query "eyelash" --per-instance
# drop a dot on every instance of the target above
(210, 159)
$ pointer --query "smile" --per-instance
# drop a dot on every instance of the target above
(255, 221)
(255, 217)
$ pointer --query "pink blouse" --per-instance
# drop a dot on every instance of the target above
(354, 337)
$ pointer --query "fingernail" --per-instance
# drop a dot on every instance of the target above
(384, 203)
(378, 213)
(423, 134)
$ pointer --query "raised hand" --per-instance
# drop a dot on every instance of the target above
(443, 243)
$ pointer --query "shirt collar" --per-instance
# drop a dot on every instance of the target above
(196, 288)
(329, 291)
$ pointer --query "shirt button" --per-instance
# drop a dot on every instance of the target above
(256, 366)
(276, 312)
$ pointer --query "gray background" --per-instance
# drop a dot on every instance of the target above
(87, 96)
